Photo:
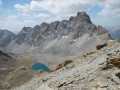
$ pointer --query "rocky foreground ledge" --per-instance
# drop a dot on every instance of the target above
(92, 70)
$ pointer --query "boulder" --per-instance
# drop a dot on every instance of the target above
(118, 75)
(98, 47)
(65, 63)
(113, 60)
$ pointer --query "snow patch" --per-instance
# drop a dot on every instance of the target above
(66, 36)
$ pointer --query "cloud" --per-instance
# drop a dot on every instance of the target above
(15, 24)
(111, 8)
(42, 16)
(56, 6)
(23, 8)
(51, 10)
(11, 18)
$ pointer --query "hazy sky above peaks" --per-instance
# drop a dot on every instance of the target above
(15, 14)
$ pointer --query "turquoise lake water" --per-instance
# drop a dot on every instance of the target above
(40, 66)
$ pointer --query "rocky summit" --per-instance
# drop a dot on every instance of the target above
(78, 54)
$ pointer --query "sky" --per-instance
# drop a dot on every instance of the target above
(15, 14)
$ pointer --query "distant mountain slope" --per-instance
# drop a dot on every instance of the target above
(6, 37)
(66, 36)
(7, 64)
(116, 34)
(6, 61)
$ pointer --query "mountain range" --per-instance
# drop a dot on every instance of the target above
(60, 37)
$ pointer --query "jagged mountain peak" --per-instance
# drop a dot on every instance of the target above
(44, 24)
(26, 29)
(81, 13)
(78, 25)
(74, 28)
(81, 17)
